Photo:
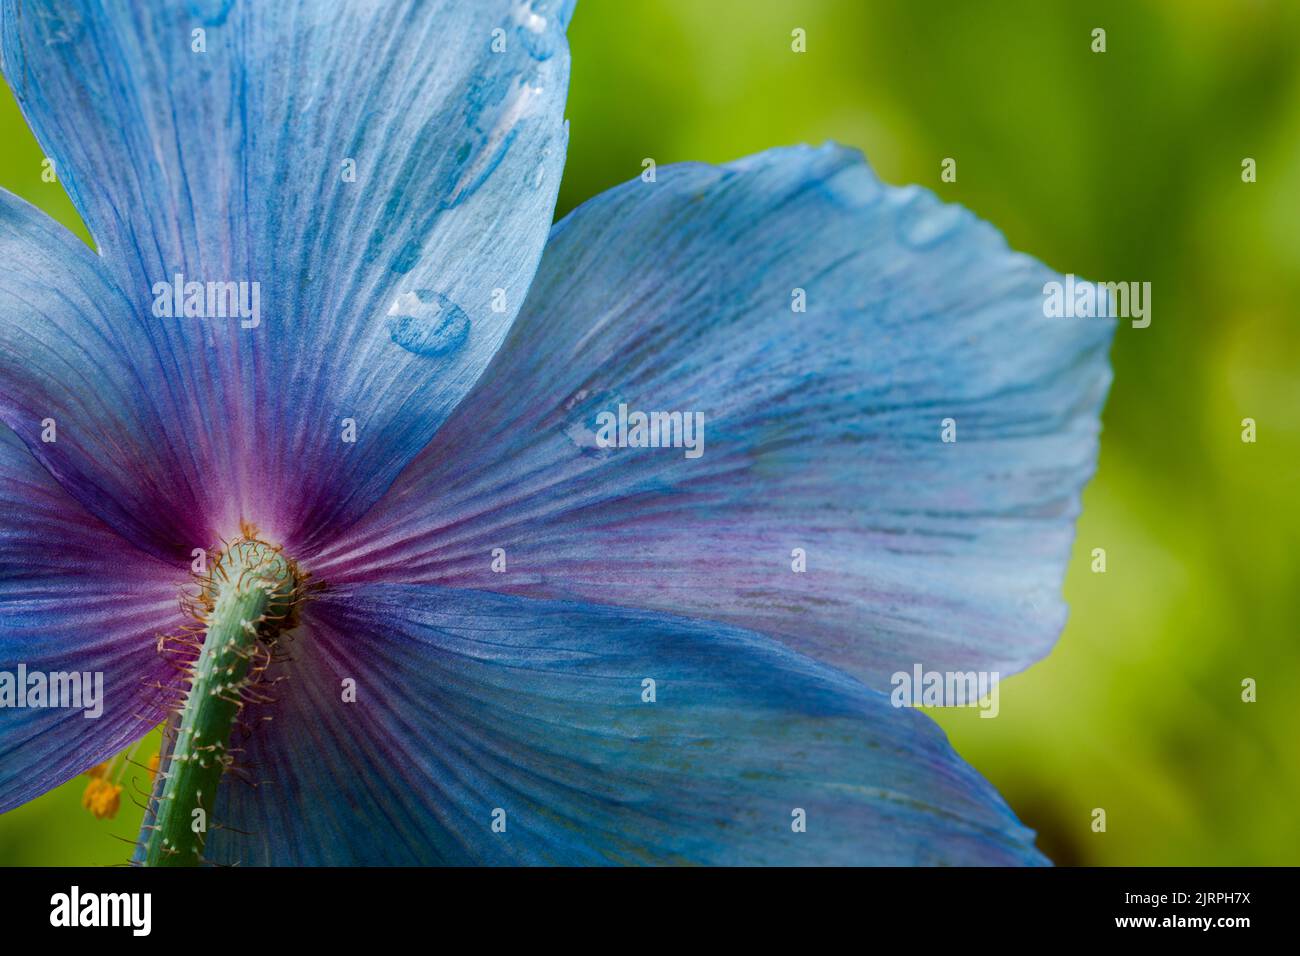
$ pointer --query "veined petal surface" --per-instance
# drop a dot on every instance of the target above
(832, 332)
(75, 598)
(418, 724)
(352, 195)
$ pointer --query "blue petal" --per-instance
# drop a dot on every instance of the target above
(377, 295)
(470, 703)
(74, 597)
(823, 428)
(98, 420)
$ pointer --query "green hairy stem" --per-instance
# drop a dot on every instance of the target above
(251, 593)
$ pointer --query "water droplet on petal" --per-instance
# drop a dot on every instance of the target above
(579, 396)
(584, 439)
(529, 19)
(506, 108)
(533, 28)
(427, 323)
(580, 413)
(924, 223)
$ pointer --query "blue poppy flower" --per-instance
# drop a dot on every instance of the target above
(328, 324)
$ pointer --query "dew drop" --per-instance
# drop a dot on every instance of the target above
(584, 439)
(530, 20)
(531, 27)
(925, 224)
(427, 323)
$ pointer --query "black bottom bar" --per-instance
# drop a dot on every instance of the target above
(939, 906)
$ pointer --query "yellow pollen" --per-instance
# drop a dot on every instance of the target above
(102, 798)
(103, 794)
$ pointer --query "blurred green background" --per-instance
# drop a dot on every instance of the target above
(1123, 165)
